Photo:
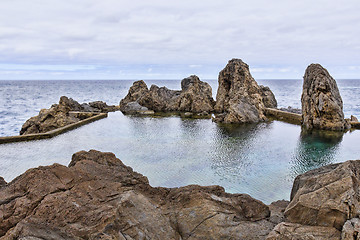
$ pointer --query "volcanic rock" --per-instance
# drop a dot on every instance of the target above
(59, 115)
(98, 197)
(322, 106)
(268, 97)
(239, 98)
(195, 97)
(327, 196)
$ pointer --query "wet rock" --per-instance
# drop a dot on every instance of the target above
(293, 231)
(351, 230)
(134, 108)
(353, 119)
(59, 115)
(195, 97)
(239, 98)
(322, 106)
(327, 196)
(268, 97)
(98, 197)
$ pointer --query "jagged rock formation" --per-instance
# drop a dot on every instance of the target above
(322, 106)
(268, 96)
(58, 115)
(239, 99)
(195, 96)
(98, 197)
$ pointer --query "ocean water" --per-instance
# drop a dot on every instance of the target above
(258, 159)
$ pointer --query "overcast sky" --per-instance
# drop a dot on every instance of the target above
(158, 39)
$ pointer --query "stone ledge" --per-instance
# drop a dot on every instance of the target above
(289, 117)
(53, 133)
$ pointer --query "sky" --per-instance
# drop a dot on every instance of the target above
(158, 39)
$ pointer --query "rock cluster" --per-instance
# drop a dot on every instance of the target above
(239, 98)
(322, 106)
(98, 197)
(59, 115)
(195, 97)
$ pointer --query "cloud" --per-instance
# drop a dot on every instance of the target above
(285, 34)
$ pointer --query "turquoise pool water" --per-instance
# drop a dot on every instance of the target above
(260, 159)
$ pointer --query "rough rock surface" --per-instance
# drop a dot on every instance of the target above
(351, 230)
(293, 231)
(353, 119)
(58, 115)
(98, 197)
(239, 98)
(322, 106)
(195, 96)
(327, 196)
(268, 96)
(2, 182)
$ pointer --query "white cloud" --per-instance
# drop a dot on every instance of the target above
(286, 34)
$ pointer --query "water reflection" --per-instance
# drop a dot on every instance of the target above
(315, 149)
(234, 149)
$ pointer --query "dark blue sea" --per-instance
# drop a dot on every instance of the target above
(259, 159)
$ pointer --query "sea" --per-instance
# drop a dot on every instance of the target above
(261, 159)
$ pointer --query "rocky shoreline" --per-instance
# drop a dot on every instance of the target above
(98, 197)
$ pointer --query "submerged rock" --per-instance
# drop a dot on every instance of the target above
(195, 96)
(239, 98)
(98, 197)
(59, 115)
(322, 106)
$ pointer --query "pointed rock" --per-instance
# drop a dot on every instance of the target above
(239, 98)
(322, 106)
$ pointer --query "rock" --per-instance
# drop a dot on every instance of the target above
(327, 196)
(268, 97)
(239, 98)
(2, 182)
(195, 97)
(353, 119)
(291, 110)
(322, 106)
(133, 108)
(351, 230)
(188, 114)
(293, 231)
(59, 115)
(277, 211)
(98, 197)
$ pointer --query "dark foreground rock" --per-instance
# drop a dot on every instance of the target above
(98, 197)
(195, 97)
(59, 115)
(239, 98)
(322, 106)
